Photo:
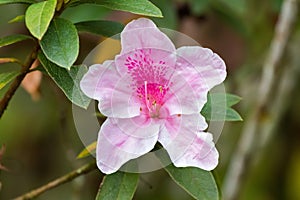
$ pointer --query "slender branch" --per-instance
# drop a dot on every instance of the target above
(17, 81)
(251, 135)
(10, 60)
(282, 33)
(64, 179)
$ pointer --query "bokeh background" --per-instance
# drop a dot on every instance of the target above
(40, 136)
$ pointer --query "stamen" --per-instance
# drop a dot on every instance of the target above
(160, 89)
(146, 92)
(146, 95)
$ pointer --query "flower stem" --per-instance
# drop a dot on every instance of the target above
(17, 81)
(59, 181)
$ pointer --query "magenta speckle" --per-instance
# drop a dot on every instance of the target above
(149, 79)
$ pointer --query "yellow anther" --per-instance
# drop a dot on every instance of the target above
(160, 89)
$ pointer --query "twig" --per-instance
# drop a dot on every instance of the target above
(18, 80)
(64, 179)
(282, 33)
(251, 135)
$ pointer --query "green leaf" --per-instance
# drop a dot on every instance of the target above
(232, 115)
(218, 107)
(19, 18)
(200, 184)
(224, 99)
(6, 77)
(60, 44)
(2, 2)
(67, 80)
(38, 17)
(11, 39)
(85, 12)
(221, 114)
(118, 186)
(105, 28)
(88, 150)
(141, 7)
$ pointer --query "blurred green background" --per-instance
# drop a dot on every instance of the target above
(42, 143)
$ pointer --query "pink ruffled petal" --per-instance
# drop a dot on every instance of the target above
(202, 68)
(201, 153)
(99, 79)
(176, 125)
(142, 42)
(198, 70)
(186, 144)
(143, 33)
(182, 97)
(121, 140)
(104, 83)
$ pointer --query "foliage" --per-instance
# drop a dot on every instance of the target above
(61, 43)
(67, 80)
(120, 185)
(38, 17)
(100, 27)
(5, 78)
(11, 39)
(200, 184)
(218, 107)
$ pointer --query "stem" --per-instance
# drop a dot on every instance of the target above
(256, 125)
(17, 81)
(63, 179)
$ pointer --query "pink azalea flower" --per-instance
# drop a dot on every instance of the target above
(153, 93)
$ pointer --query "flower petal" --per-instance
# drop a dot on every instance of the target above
(186, 144)
(182, 98)
(200, 67)
(201, 153)
(104, 83)
(198, 70)
(142, 39)
(181, 124)
(98, 79)
(143, 33)
(121, 140)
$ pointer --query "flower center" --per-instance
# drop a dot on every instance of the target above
(149, 81)
(152, 97)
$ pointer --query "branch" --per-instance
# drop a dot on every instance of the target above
(18, 80)
(64, 179)
(252, 132)
(283, 29)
